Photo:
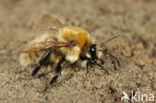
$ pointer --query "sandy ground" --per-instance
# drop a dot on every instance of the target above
(134, 20)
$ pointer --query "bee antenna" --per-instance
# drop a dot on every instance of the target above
(94, 62)
(109, 40)
(111, 56)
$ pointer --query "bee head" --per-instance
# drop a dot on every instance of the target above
(94, 53)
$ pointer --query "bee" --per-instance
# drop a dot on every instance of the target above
(68, 44)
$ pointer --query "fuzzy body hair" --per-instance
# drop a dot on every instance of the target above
(72, 54)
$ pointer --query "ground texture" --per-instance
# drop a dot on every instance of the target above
(134, 20)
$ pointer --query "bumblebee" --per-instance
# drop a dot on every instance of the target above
(69, 44)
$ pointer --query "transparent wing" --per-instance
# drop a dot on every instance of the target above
(47, 23)
(42, 46)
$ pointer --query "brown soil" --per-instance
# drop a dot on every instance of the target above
(134, 20)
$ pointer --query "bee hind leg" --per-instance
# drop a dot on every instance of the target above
(41, 62)
(58, 72)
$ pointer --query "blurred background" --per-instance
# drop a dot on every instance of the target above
(134, 20)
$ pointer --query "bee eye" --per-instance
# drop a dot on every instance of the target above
(92, 51)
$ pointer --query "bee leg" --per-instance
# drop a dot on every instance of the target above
(94, 62)
(41, 62)
(102, 61)
(87, 67)
(58, 72)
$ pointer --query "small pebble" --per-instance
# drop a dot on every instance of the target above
(154, 62)
(127, 52)
(140, 62)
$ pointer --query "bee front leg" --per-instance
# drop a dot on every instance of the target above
(41, 62)
(58, 72)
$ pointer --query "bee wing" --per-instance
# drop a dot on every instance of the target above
(47, 23)
(43, 46)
